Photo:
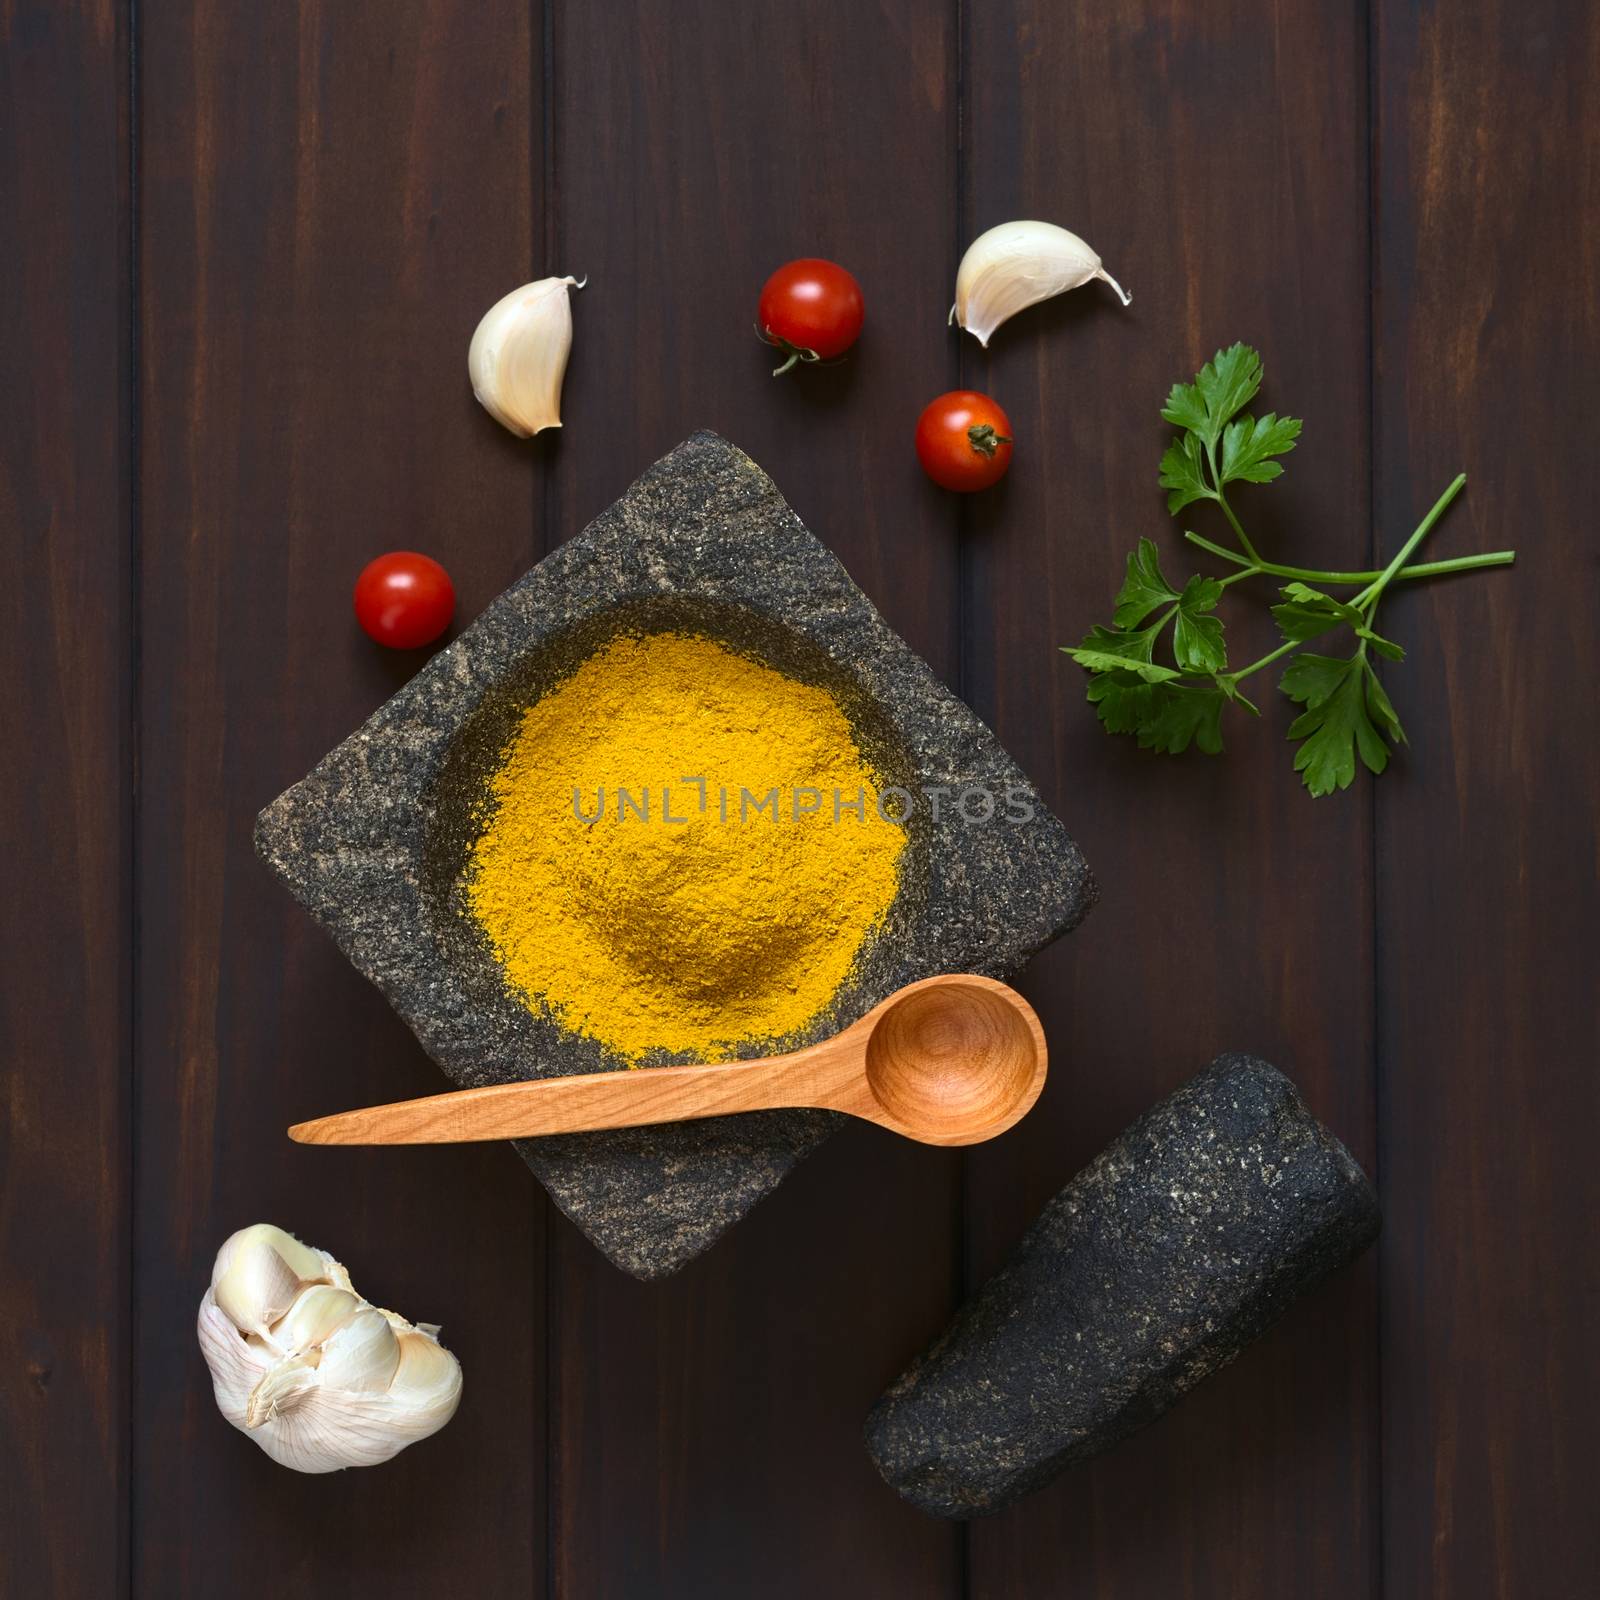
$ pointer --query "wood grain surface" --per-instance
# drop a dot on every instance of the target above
(1488, 919)
(242, 249)
(67, 661)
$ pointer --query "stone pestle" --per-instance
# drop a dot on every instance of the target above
(1155, 1266)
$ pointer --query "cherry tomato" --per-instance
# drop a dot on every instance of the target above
(964, 441)
(811, 310)
(404, 600)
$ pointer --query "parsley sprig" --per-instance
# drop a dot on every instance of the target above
(1171, 704)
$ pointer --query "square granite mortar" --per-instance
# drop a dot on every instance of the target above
(375, 840)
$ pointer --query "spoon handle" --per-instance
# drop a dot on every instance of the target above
(826, 1075)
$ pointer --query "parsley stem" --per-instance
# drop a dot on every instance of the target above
(1243, 537)
(1265, 661)
(1369, 595)
(1222, 500)
(1422, 569)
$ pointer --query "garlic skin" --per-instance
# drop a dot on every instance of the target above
(317, 1376)
(518, 355)
(1016, 265)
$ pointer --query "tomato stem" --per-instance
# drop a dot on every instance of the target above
(985, 440)
(792, 352)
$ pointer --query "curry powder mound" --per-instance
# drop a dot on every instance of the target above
(682, 851)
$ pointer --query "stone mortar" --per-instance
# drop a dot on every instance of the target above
(373, 841)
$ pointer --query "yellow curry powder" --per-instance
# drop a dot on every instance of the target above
(703, 917)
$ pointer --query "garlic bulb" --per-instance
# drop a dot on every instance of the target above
(1016, 265)
(518, 355)
(319, 1378)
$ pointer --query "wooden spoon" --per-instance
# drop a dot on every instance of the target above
(950, 1060)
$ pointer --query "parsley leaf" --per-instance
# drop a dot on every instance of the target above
(1108, 661)
(1121, 700)
(1186, 408)
(1197, 636)
(1223, 387)
(1208, 410)
(1311, 680)
(1307, 612)
(1197, 644)
(1382, 711)
(1165, 716)
(1249, 443)
(1139, 645)
(1183, 473)
(1184, 714)
(1341, 698)
(1384, 647)
(1144, 589)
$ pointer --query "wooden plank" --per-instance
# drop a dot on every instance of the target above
(706, 1436)
(65, 938)
(1489, 915)
(331, 195)
(1216, 155)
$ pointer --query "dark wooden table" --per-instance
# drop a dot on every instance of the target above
(242, 249)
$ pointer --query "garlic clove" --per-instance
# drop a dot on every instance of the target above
(259, 1272)
(1016, 265)
(314, 1317)
(362, 1354)
(426, 1385)
(518, 355)
(425, 1364)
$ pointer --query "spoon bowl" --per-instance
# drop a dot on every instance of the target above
(953, 1057)
(951, 1060)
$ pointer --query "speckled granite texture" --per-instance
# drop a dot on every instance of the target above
(1155, 1266)
(374, 841)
